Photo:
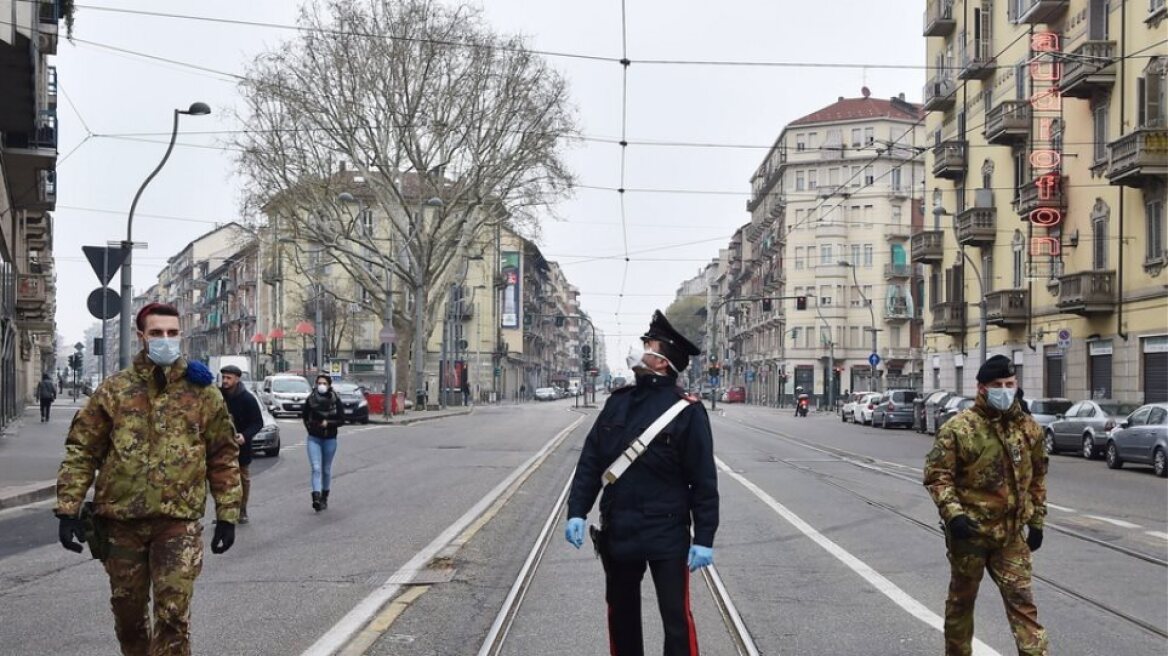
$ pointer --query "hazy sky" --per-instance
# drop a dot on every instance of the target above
(110, 92)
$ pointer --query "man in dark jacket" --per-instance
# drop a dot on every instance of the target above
(646, 512)
(249, 421)
(46, 394)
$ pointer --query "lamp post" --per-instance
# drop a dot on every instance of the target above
(830, 358)
(938, 212)
(872, 317)
(196, 109)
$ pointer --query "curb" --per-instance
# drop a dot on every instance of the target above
(22, 495)
(415, 420)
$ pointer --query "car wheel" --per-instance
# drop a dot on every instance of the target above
(1088, 448)
(844, 417)
(1049, 442)
(1160, 462)
(1113, 461)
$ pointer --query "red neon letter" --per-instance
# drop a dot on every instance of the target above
(1044, 42)
(1047, 184)
(1044, 128)
(1046, 217)
(1046, 71)
(1044, 246)
(1045, 159)
(1046, 101)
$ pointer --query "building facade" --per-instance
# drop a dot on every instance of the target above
(1048, 162)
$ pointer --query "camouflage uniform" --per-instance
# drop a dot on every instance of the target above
(991, 467)
(155, 450)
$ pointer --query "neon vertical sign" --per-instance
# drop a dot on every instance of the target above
(1046, 106)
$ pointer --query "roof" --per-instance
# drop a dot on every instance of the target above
(852, 109)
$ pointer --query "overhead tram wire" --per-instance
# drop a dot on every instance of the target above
(624, 150)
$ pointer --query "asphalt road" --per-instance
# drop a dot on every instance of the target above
(827, 546)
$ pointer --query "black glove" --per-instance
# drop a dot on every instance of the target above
(962, 527)
(70, 532)
(224, 537)
(1034, 538)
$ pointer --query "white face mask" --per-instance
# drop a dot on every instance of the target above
(636, 360)
(322, 389)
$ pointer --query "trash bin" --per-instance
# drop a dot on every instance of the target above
(398, 403)
(376, 403)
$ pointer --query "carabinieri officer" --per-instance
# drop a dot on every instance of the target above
(646, 512)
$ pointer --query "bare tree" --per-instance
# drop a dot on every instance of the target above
(398, 102)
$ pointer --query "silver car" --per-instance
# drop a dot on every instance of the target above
(1045, 411)
(1142, 438)
(1085, 426)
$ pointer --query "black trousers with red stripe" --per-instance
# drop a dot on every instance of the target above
(623, 594)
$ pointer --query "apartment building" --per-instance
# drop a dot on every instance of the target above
(1047, 121)
(28, 194)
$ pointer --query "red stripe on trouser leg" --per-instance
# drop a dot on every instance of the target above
(689, 621)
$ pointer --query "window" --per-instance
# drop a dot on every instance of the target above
(867, 291)
(1097, 20)
(1099, 126)
(1021, 171)
(869, 136)
(868, 256)
(1154, 213)
(807, 337)
(854, 337)
(1019, 258)
(896, 215)
(798, 257)
(366, 297)
(855, 176)
(825, 294)
(824, 336)
(799, 181)
(987, 272)
(825, 255)
(869, 177)
(1151, 92)
(959, 383)
(1099, 242)
(367, 221)
(855, 255)
(896, 177)
(798, 219)
(869, 211)
(812, 139)
(800, 143)
(812, 179)
(833, 177)
(856, 132)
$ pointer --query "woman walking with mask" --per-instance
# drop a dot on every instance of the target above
(323, 414)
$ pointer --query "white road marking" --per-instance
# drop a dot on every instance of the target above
(1157, 534)
(1062, 508)
(1116, 522)
(367, 608)
(877, 580)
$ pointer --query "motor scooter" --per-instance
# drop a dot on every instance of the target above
(801, 405)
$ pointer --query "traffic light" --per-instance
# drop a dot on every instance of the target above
(713, 371)
(98, 346)
(559, 321)
(766, 305)
(800, 302)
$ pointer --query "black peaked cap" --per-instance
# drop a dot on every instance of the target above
(678, 348)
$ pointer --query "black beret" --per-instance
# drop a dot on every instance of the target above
(676, 348)
(995, 368)
(233, 370)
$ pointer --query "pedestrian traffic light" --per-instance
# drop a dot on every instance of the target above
(766, 305)
(800, 302)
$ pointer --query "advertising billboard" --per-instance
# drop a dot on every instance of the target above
(511, 292)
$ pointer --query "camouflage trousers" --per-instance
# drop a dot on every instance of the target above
(1010, 568)
(163, 554)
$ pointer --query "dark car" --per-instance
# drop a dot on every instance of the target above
(1142, 438)
(895, 408)
(267, 441)
(926, 406)
(953, 407)
(353, 399)
(934, 406)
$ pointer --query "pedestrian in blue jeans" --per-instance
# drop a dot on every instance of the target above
(323, 415)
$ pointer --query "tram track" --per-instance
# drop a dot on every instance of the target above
(871, 464)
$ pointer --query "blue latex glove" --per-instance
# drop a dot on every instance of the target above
(700, 557)
(574, 532)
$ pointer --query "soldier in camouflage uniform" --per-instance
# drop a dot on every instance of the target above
(987, 475)
(157, 435)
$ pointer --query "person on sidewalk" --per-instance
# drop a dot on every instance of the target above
(248, 420)
(157, 435)
(646, 511)
(987, 475)
(323, 414)
(46, 394)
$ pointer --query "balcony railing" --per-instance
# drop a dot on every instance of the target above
(977, 58)
(1087, 292)
(1036, 11)
(897, 232)
(939, 20)
(939, 92)
(896, 271)
(928, 246)
(1088, 69)
(895, 353)
(949, 159)
(1009, 307)
(977, 226)
(1008, 122)
(948, 318)
(897, 310)
(1138, 158)
(1040, 194)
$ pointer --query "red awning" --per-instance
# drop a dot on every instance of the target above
(277, 333)
(259, 338)
(304, 328)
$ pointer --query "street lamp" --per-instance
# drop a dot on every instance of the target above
(871, 314)
(938, 212)
(196, 109)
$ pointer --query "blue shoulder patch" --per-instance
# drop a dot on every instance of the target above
(199, 374)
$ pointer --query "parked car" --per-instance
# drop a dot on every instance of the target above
(894, 409)
(267, 441)
(934, 406)
(864, 408)
(285, 394)
(1085, 425)
(1142, 438)
(546, 394)
(922, 406)
(353, 399)
(953, 407)
(735, 394)
(1044, 411)
(848, 411)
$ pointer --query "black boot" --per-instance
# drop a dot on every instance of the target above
(324, 500)
(317, 505)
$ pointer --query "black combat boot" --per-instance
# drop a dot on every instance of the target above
(324, 500)
(317, 505)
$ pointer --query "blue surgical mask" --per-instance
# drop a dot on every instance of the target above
(163, 351)
(1000, 398)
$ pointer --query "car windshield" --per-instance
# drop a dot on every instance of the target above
(1050, 407)
(347, 388)
(545, 390)
(1118, 409)
(290, 386)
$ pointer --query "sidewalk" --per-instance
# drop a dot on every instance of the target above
(31, 452)
(413, 416)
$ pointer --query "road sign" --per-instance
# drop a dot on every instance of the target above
(750, 376)
(105, 261)
(874, 359)
(714, 381)
(388, 335)
(1064, 338)
(463, 344)
(110, 308)
(586, 350)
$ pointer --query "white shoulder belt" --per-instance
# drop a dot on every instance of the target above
(638, 446)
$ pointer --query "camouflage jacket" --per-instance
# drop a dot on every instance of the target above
(992, 467)
(154, 451)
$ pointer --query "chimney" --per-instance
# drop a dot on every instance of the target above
(901, 96)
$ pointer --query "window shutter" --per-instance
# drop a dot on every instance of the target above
(1141, 102)
(1153, 97)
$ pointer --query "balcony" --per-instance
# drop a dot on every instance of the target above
(977, 59)
(1032, 12)
(939, 20)
(977, 226)
(948, 318)
(827, 191)
(1087, 292)
(1034, 196)
(898, 190)
(939, 92)
(897, 271)
(50, 87)
(31, 291)
(1008, 307)
(1136, 159)
(39, 146)
(1088, 70)
(928, 246)
(831, 230)
(898, 232)
(49, 17)
(1008, 123)
(949, 159)
(897, 310)
(898, 353)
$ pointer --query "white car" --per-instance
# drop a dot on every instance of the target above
(546, 394)
(848, 411)
(864, 408)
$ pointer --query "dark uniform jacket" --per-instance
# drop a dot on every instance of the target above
(247, 417)
(647, 513)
